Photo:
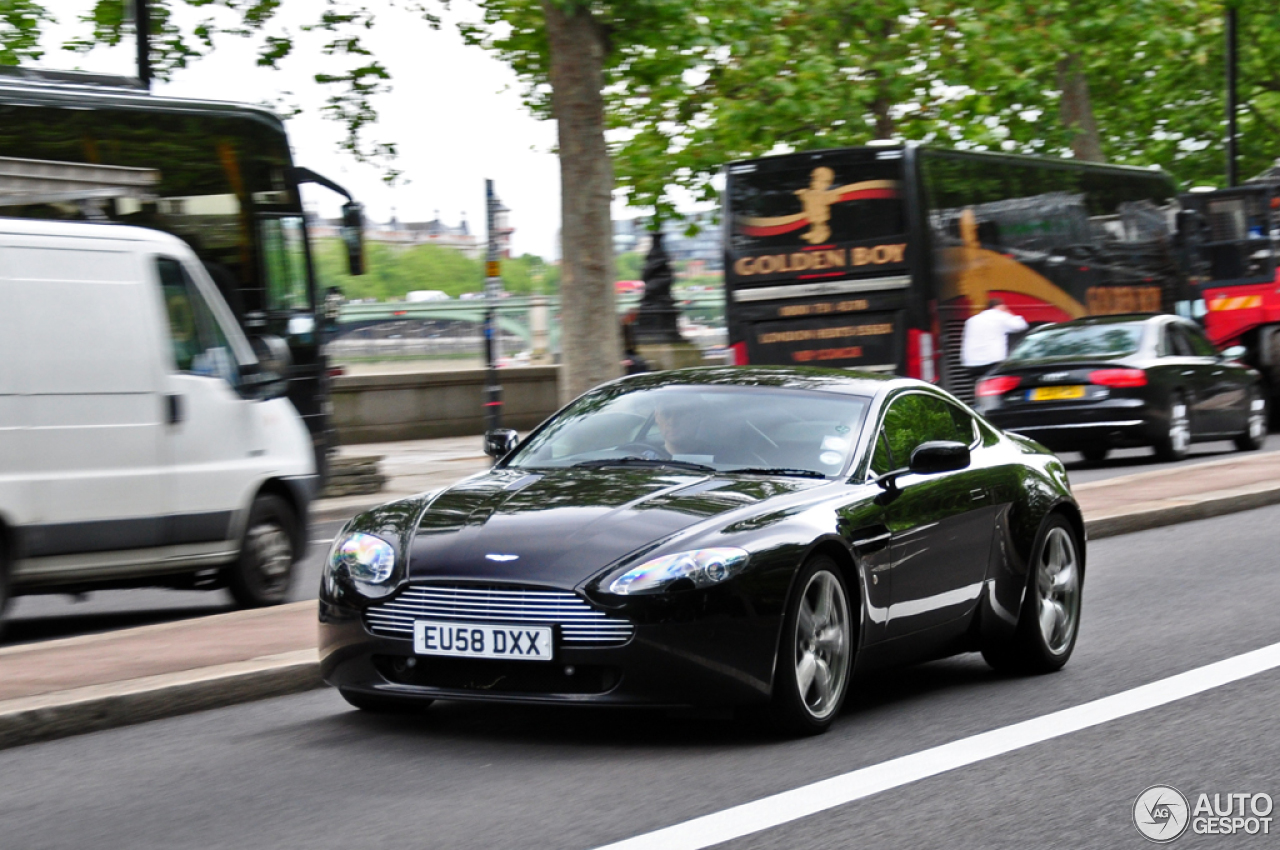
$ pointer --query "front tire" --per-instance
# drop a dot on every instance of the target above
(262, 574)
(1255, 431)
(1174, 443)
(815, 658)
(1050, 618)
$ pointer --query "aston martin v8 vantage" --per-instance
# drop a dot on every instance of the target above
(718, 536)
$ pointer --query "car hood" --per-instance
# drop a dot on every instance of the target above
(561, 526)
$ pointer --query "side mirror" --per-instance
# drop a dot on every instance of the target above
(499, 442)
(353, 236)
(939, 456)
(1235, 352)
(270, 377)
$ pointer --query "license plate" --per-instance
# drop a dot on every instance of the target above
(478, 640)
(1057, 393)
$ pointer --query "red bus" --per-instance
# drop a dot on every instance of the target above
(873, 257)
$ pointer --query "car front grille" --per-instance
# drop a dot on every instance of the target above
(580, 624)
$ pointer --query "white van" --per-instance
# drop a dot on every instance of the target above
(141, 441)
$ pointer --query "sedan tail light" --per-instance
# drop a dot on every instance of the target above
(1118, 377)
(999, 385)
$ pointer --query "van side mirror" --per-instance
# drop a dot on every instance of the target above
(499, 442)
(269, 377)
(353, 236)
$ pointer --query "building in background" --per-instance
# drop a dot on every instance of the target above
(434, 232)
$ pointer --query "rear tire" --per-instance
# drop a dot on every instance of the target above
(815, 655)
(262, 574)
(1174, 443)
(380, 704)
(1256, 425)
(1050, 618)
(1095, 454)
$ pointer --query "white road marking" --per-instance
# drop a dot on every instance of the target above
(801, 802)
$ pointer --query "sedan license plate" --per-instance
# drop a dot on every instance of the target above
(478, 640)
(1056, 393)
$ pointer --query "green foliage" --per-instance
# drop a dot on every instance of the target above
(392, 272)
(628, 266)
(20, 25)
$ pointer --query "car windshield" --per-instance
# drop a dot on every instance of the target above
(1108, 340)
(770, 430)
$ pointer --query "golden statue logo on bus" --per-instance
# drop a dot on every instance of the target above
(816, 202)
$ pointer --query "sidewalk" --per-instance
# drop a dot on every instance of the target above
(80, 684)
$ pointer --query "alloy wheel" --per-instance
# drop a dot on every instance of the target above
(823, 644)
(1058, 589)
(1179, 428)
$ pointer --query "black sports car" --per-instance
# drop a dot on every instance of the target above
(1093, 384)
(730, 536)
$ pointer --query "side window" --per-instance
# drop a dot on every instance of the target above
(880, 460)
(285, 263)
(1165, 347)
(1199, 344)
(966, 429)
(1181, 346)
(917, 418)
(199, 344)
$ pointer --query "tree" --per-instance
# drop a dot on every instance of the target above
(567, 51)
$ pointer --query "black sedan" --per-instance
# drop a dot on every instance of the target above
(1095, 384)
(744, 537)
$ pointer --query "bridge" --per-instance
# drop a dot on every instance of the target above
(513, 313)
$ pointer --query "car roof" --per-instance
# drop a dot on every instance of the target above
(842, 381)
(1116, 319)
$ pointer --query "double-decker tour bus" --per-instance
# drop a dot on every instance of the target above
(874, 257)
(1238, 243)
(218, 175)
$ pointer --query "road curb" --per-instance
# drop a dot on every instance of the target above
(1174, 511)
(64, 713)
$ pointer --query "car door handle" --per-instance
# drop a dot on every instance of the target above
(173, 405)
(1219, 372)
(1189, 372)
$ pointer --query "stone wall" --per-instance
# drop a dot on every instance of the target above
(419, 405)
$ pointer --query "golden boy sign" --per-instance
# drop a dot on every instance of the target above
(829, 258)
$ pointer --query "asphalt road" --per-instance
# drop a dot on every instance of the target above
(34, 618)
(307, 771)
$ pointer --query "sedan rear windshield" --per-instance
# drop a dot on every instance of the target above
(1115, 340)
(724, 429)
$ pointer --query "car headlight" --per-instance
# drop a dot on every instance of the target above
(368, 561)
(701, 567)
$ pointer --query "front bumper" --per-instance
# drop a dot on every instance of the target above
(680, 661)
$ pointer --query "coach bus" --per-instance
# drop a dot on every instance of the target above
(874, 257)
(218, 175)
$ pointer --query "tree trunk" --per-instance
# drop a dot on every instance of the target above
(588, 316)
(1076, 110)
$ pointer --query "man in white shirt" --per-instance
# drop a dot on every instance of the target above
(986, 337)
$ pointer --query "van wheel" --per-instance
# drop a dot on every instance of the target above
(262, 573)
(4, 585)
